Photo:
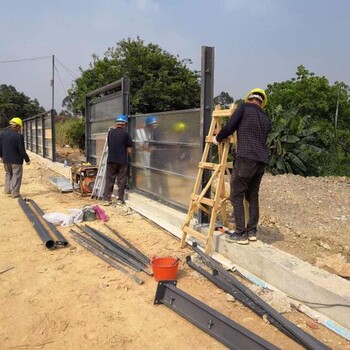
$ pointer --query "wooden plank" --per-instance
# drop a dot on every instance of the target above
(195, 233)
(207, 165)
(204, 200)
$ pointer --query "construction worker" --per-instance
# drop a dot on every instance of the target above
(253, 126)
(159, 158)
(119, 147)
(143, 136)
(12, 152)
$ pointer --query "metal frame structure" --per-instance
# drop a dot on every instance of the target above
(119, 89)
(36, 136)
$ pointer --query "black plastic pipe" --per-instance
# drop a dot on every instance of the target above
(60, 238)
(39, 227)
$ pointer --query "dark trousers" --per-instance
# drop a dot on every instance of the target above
(119, 172)
(245, 183)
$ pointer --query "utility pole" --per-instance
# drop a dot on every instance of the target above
(53, 82)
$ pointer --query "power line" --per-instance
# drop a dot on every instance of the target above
(27, 59)
(59, 78)
(69, 71)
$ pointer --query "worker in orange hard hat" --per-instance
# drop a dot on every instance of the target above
(12, 152)
(253, 126)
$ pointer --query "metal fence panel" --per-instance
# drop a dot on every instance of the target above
(39, 134)
(166, 156)
(102, 106)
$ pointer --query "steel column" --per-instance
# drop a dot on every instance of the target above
(207, 93)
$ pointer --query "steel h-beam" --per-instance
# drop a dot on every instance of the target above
(207, 95)
(223, 329)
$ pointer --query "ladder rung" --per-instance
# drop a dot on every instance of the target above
(207, 165)
(204, 200)
(209, 139)
(194, 233)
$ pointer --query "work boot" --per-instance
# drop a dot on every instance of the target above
(252, 236)
(234, 237)
(120, 201)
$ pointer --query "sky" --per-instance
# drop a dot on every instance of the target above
(256, 42)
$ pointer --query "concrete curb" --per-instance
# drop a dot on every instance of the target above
(324, 292)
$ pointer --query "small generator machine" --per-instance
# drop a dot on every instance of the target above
(83, 178)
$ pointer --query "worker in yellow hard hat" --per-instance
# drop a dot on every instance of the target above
(258, 94)
(179, 127)
(253, 126)
(13, 153)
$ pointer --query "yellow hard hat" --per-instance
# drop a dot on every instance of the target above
(259, 92)
(179, 127)
(17, 121)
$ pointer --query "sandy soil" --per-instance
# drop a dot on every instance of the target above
(69, 299)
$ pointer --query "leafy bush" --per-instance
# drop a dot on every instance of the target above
(71, 132)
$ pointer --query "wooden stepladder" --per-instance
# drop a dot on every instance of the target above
(211, 206)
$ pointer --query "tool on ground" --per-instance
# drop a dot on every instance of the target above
(223, 329)
(83, 178)
(199, 202)
(226, 281)
(99, 185)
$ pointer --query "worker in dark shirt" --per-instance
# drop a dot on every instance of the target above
(252, 126)
(12, 152)
(119, 147)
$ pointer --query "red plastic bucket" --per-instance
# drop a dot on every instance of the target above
(165, 268)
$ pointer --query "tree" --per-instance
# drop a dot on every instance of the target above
(159, 80)
(293, 144)
(328, 109)
(16, 104)
(223, 99)
(312, 95)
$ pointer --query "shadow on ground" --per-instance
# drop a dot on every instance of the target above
(269, 235)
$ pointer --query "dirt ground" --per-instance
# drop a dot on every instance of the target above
(70, 299)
